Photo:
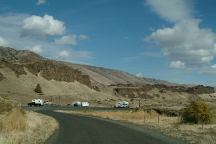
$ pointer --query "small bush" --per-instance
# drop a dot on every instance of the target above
(14, 120)
(197, 112)
(5, 106)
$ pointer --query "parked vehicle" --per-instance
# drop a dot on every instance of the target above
(122, 104)
(77, 104)
(85, 104)
(36, 102)
(81, 104)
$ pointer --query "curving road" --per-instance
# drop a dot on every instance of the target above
(75, 129)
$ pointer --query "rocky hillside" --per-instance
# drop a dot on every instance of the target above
(91, 76)
(19, 60)
(21, 71)
(105, 76)
(142, 91)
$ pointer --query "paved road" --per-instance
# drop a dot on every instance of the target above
(76, 129)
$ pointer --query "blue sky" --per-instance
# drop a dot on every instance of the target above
(172, 40)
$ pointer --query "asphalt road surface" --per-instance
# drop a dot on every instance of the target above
(75, 129)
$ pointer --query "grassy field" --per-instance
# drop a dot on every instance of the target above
(192, 133)
(23, 127)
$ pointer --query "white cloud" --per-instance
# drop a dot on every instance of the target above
(11, 28)
(40, 2)
(83, 37)
(72, 55)
(64, 53)
(42, 26)
(213, 66)
(171, 10)
(177, 65)
(3, 42)
(71, 39)
(140, 75)
(209, 71)
(67, 40)
(37, 49)
(187, 42)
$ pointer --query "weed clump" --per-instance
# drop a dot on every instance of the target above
(197, 112)
(14, 120)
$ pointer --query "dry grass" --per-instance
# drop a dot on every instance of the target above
(6, 105)
(14, 120)
(192, 133)
(19, 127)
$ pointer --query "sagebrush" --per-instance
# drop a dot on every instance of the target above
(197, 112)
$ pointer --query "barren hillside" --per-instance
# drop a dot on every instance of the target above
(62, 82)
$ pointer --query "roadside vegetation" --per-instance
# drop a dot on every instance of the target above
(18, 126)
(38, 89)
(197, 127)
(197, 112)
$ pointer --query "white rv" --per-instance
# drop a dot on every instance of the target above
(36, 102)
(122, 104)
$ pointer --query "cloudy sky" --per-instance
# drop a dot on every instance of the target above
(172, 40)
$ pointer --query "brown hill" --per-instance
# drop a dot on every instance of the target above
(21, 71)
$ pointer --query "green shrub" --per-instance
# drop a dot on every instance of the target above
(197, 112)
(38, 89)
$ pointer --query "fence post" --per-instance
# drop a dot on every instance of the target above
(158, 118)
(144, 117)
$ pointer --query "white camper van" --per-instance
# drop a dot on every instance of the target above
(122, 104)
(36, 102)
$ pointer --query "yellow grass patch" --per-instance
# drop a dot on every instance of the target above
(20, 127)
(15, 120)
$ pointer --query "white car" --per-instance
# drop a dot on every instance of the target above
(122, 104)
(85, 104)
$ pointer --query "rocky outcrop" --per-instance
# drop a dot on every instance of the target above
(49, 70)
(200, 89)
(133, 92)
(141, 91)
(13, 55)
(19, 60)
(17, 68)
(59, 72)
